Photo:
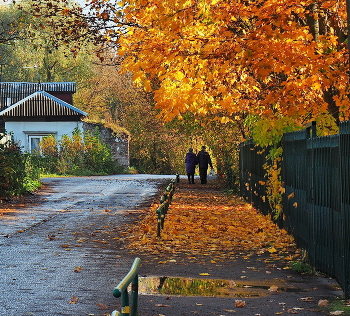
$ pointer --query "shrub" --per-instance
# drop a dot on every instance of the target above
(80, 154)
(12, 169)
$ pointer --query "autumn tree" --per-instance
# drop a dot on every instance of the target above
(113, 99)
(29, 51)
(276, 65)
(266, 59)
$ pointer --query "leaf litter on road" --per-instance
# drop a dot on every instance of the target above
(206, 221)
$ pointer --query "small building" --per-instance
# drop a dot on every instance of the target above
(30, 111)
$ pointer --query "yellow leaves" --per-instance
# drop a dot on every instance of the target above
(290, 195)
(273, 288)
(179, 75)
(207, 226)
(65, 11)
(199, 61)
(272, 250)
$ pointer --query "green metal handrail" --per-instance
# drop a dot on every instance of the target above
(165, 201)
(121, 290)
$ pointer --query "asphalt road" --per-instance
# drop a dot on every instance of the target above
(61, 255)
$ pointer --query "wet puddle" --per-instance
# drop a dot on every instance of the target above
(212, 287)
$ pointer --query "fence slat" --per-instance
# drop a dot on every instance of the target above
(316, 203)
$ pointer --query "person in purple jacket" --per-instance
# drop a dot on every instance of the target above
(191, 162)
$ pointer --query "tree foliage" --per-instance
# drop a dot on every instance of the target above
(260, 67)
(30, 52)
(225, 57)
(265, 59)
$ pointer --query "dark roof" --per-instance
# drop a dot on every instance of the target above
(12, 92)
(40, 104)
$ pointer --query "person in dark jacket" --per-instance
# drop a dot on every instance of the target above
(190, 161)
(204, 161)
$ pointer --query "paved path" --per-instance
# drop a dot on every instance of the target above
(61, 255)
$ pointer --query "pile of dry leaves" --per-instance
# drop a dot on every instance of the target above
(204, 220)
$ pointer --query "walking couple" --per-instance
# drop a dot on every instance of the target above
(202, 159)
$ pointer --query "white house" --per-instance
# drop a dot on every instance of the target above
(31, 111)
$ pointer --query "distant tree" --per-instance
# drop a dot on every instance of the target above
(29, 52)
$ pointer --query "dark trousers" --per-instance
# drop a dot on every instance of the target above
(190, 177)
(203, 175)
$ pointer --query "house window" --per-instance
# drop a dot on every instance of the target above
(34, 143)
(34, 139)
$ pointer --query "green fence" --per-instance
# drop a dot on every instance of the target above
(165, 201)
(316, 202)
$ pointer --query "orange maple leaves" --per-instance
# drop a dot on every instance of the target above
(233, 56)
(210, 223)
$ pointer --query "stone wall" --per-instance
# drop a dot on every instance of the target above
(119, 144)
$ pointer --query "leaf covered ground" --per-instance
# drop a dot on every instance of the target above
(204, 220)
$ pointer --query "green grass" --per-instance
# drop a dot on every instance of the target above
(302, 267)
(337, 306)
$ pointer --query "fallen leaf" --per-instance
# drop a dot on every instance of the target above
(196, 227)
(74, 300)
(205, 273)
(78, 269)
(307, 299)
(273, 288)
(161, 305)
(239, 303)
(101, 306)
(272, 250)
(322, 303)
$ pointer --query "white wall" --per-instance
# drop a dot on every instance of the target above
(22, 130)
(4, 139)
